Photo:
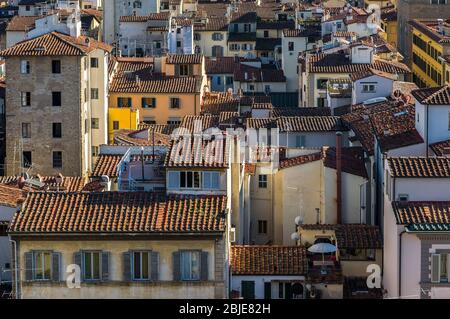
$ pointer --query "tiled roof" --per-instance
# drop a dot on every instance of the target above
(184, 59)
(258, 75)
(198, 123)
(119, 212)
(21, 23)
(275, 25)
(430, 29)
(11, 196)
(106, 164)
(55, 43)
(195, 151)
(352, 160)
(219, 65)
(301, 111)
(339, 63)
(257, 123)
(268, 260)
(165, 129)
(212, 24)
(419, 166)
(228, 117)
(140, 137)
(441, 148)
(52, 183)
(433, 96)
(152, 16)
(217, 103)
(267, 44)
(297, 33)
(352, 236)
(242, 37)
(371, 72)
(128, 71)
(262, 106)
(421, 213)
(310, 124)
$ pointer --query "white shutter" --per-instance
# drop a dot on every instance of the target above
(215, 180)
(174, 180)
(435, 267)
(206, 180)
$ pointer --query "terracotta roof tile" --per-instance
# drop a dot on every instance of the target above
(422, 212)
(219, 65)
(153, 16)
(212, 24)
(140, 137)
(310, 124)
(106, 164)
(301, 111)
(268, 260)
(21, 23)
(11, 196)
(52, 183)
(55, 43)
(165, 129)
(419, 166)
(195, 151)
(184, 59)
(433, 96)
(441, 148)
(119, 212)
(198, 123)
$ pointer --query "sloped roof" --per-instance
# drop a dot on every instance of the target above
(433, 96)
(423, 167)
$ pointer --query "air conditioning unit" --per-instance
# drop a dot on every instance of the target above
(232, 235)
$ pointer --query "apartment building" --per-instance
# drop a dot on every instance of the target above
(430, 45)
(132, 245)
(56, 91)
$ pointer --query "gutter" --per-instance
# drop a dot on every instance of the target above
(400, 264)
(427, 131)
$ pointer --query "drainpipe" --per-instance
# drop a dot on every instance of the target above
(400, 265)
(16, 275)
(339, 177)
(426, 142)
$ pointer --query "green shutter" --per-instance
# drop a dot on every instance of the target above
(56, 266)
(105, 265)
(204, 266)
(248, 289)
(28, 266)
(176, 266)
(127, 266)
(267, 290)
(154, 265)
(77, 260)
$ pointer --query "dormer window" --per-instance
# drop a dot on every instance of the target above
(369, 88)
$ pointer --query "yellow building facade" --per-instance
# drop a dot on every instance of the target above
(120, 118)
(428, 49)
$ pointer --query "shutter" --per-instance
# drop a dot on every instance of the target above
(119, 102)
(129, 102)
(267, 290)
(215, 180)
(56, 266)
(154, 265)
(303, 140)
(153, 101)
(204, 266)
(207, 180)
(191, 70)
(174, 180)
(77, 261)
(435, 267)
(176, 266)
(143, 102)
(28, 266)
(127, 266)
(105, 265)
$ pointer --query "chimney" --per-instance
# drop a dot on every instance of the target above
(440, 26)
(339, 177)
(21, 182)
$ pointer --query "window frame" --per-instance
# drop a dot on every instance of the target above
(94, 94)
(55, 127)
(26, 128)
(58, 161)
(149, 273)
(23, 159)
(83, 258)
(95, 123)
(54, 98)
(42, 261)
(25, 97)
(58, 63)
(192, 178)
(172, 99)
(262, 181)
(25, 67)
(94, 62)
(199, 264)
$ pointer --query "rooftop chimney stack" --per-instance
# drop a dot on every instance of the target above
(440, 26)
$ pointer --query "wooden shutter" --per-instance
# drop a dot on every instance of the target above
(215, 180)
(154, 265)
(204, 266)
(435, 267)
(127, 266)
(207, 180)
(174, 180)
(176, 266)
(129, 102)
(267, 290)
(248, 289)
(56, 266)
(78, 261)
(28, 266)
(105, 265)
(153, 101)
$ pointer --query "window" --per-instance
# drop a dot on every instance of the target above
(438, 1)
(148, 102)
(174, 103)
(267, 89)
(115, 125)
(251, 87)
(229, 80)
(25, 67)
(300, 141)
(57, 130)
(94, 151)
(174, 120)
(94, 93)
(94, 62)
(235, 47)
(185, 69)
(141, 265)
(27, 8)
(95, 123)
(26, 159)
(137, 4)
(262, 181)
(57, 159)
(197, 37)
(262, 226)
(178, 43)
(440, 264)
(26, 130)
(190, 265)
(56, 66)
(91, 265)
(124, 102)
(321, 101)
(247, 47)
(217, 51)
(368, 88)
(42, 265)
(266, 33)
(291, 46)
(217, 36)
(322, 83)
(247, 27)
(189, 179)
(56, 98)
(248, 289)
(211, 180)
(26, 98)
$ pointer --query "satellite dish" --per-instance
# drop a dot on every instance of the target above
(298, 220)
(295, 236)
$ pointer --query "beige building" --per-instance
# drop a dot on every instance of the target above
(127, 245)
(57, 104)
